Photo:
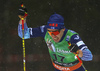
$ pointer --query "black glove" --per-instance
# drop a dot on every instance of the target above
(73, 48)
(22, 11)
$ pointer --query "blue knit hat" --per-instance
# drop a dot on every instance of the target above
(55, 21)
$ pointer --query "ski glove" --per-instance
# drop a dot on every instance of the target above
(22, 11)
(73, 48)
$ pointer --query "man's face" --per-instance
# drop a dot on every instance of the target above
(56, 34)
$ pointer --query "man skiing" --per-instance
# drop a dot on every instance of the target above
(65, 46)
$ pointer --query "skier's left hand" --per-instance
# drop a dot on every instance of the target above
(75, 49)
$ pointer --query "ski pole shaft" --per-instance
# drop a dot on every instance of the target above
(23, 43)
(80, 61)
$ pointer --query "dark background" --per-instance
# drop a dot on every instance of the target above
(82, 16)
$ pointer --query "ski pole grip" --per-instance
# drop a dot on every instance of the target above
(22, 5)
(22, 23)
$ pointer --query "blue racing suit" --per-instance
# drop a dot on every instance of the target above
(41, 31)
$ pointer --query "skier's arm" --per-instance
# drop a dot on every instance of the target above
(26, 31)
(22, 13)
(86, 53)
(31, 32)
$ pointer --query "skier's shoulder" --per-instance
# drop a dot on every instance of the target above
(71, 31)
(70, 34)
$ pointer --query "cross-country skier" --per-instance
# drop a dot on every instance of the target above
(65, 46)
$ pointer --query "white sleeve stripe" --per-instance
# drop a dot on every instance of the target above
(83, 47)
(31, 31)
(42, 28)
(80, 43)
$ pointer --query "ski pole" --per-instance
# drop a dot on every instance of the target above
(23, 40)
(80, 61)
(78, 57)
(23, 44)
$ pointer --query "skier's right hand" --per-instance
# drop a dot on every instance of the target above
(22, 12)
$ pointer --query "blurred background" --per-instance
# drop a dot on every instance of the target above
(82, 16)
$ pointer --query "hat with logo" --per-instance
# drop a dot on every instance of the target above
(55, 21)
